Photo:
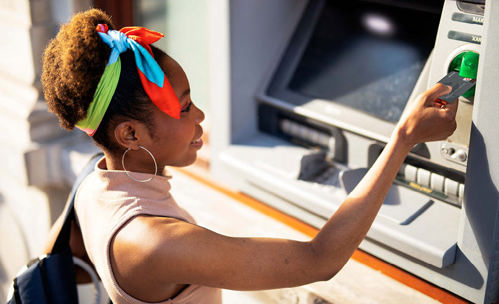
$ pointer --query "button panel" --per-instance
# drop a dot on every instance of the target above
(451, 187)
(437, 182)
(461, 191)
(423, 177)
(432, 183)
(454, 153)
(410, 173)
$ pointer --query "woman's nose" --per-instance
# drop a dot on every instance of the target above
(199, 114)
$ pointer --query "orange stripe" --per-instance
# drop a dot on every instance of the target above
(360, 256)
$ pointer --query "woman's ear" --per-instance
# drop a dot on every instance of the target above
(130, 134)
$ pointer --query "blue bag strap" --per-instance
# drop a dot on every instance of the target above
(62, 241)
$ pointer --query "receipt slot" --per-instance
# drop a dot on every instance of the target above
(313, 91)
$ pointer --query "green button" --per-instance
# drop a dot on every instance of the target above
(469, 66)
(466, 64)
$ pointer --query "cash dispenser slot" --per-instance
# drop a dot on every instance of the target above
(303, 131)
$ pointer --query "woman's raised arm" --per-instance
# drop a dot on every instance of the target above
(167, 251)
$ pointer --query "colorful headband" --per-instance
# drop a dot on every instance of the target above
(153, 79)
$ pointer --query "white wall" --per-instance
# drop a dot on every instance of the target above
(185, 25)
(33, 148)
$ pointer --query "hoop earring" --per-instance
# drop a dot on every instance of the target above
(127, 172)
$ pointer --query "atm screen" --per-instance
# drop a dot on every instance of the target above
(367, 57)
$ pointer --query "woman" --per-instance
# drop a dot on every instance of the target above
(144, 246)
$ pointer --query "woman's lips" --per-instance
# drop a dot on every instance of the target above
(198, 143)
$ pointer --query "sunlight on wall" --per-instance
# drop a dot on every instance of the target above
(185, 25)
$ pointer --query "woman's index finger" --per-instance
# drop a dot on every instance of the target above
(438, 90)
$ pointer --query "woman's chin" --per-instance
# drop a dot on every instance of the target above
(186, 162)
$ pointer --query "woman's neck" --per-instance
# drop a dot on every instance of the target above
(112, 162)
(134, 161)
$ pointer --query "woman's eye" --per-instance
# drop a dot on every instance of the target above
(187, 107)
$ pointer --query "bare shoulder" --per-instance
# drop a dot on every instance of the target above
(144, 233)
(136, 264)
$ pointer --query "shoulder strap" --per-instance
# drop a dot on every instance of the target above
(62, 240)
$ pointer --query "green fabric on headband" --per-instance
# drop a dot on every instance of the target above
(102, 97)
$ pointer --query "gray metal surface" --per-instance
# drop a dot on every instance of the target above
(456, 248)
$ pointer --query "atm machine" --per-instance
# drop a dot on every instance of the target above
(327, 103)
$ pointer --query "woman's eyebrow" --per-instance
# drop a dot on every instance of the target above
(184, 94)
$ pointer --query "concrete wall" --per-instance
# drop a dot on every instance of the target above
(185, 25)
(39, 159)
(36, 168)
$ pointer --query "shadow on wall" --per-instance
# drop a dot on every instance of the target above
(482, 213)
(4, 282)
(4, 277)
(14, 251)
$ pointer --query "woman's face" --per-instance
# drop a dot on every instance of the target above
(175, 142)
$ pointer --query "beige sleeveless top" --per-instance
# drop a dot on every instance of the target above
(105, 201)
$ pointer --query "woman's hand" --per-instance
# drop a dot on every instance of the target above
(427, 119)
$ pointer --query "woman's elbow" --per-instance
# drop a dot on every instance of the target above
(326, 266)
